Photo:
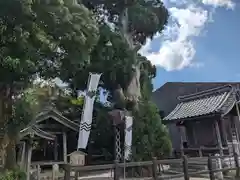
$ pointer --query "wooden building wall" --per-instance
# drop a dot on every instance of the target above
(201, 133)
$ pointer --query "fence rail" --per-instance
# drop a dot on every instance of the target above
(158, 173)
(211, 167)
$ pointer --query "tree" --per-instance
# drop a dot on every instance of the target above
(25, 108)
(133, 21)
(44, 37)
(150, 136)
(126, 74)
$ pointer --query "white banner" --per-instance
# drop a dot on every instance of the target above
(128, 137)
(86, 118)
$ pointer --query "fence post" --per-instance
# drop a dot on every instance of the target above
(219, 166)
(154, 168)
(55, 170)
(38, 172)
(76, 175)
(200, 152)
(185, 168)
(210, 168)
(67, 174)
(236, 159)
(116, 170)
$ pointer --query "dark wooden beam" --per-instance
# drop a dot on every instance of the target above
(56, 149)
(219, 139)
(29, 158)
(22, 154)
(64, 134)
(223, 129)
(52, 126)
(195, 118)
(181, 141)
(235, 124)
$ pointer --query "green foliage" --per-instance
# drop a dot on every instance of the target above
(150, 136)
(24, 111)
(79, 101)
(114, 62)
(60, 38)
(102, 135)
(49, 38)
(146, 17)
(28, 104)
(13, 175)
(44, 37)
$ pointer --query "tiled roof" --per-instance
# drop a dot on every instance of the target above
(218, 100)
(166, 97)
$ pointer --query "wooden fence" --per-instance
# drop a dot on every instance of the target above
(156, 172)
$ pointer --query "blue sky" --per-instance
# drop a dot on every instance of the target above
(200, 43)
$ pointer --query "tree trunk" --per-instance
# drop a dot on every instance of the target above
(134, 89)
(133, 92)
(10, 162)
(5, 115)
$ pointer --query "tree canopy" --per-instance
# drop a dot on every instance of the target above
(68, 39)
(40, 37)
(117, 62)
(146, 18)
(44, 37)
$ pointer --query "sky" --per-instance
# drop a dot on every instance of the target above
(199, 43)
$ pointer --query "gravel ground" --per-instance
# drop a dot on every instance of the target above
(109, 176)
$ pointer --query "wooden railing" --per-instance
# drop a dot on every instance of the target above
(37, 166)
(157, 173)
(200, 151)
(155, 169)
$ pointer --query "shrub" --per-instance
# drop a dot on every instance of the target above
(13, 175)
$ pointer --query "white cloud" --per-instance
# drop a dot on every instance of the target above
(219, 3)
(173, 55)
(177, 50)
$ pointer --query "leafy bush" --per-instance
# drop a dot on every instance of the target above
(13, 175)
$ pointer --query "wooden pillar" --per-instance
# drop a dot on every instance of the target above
(195, 140)
(45, 144)
(230, 129)
(223, 130)
(29, 158)
(219, 140)
(181, 140)
(115, 143)
(200, 153)
(22, 154)
(56, 149)
(236, 129)
(64, 147)
(234, 125)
